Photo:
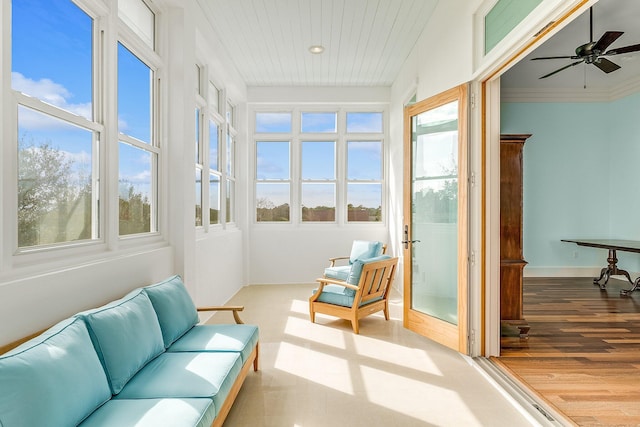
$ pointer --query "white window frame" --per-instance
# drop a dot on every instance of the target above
(296, 137)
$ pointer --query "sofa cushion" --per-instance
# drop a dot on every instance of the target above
(224, 337)
(126, 335)
(174, 307)
(54, 379)
(153, 413)
(364, 249)
(186, 375)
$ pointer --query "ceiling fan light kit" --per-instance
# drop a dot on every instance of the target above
(594, 52)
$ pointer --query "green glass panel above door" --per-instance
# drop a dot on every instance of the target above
(503, 17)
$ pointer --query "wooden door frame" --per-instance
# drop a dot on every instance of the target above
(452, 336)
(490, 176)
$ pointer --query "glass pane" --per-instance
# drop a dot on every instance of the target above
(54, 180)
(214, 199)
(435, 213)
(231, 188)
(135, 189)
(272, 202)
(137, 15)
(198, 197)
(273, 122)
(52, 54)
(231, 114)
(134, 95)
(364, 122)
(364, 202)
(272, 160)
(213, 145)
(318, 160)
(364, 160)
(198, 135)
(318, 202)
(319, 122)
(230, 155)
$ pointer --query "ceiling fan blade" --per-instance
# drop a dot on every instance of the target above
(555, 57)
(563, 68)
(606, 39)
(626, 49)
(605, 65)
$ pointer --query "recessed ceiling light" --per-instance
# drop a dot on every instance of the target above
(316, 49)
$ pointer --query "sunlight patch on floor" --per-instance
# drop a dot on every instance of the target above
(318, 367)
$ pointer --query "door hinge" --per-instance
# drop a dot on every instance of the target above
(472, 179)
(472, 337)
(472, 101)
(472, 258)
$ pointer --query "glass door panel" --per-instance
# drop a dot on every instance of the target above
(436, 218)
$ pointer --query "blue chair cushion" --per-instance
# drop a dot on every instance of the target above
(339, 295)
(186, 375)
(54, 379)
(153, 413)
(338, 272)
(362, 249)
(174, 307)
(126, 335)
(356, 268)
(234, 338)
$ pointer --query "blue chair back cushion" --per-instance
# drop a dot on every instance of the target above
(174, 307)
(362, 249)
(54, 379)
(126, 335)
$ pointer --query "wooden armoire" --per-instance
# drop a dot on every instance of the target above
(511, 257)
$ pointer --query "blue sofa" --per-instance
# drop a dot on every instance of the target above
(142, 360)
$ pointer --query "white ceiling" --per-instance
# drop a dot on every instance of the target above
(366, 41)
(608, 15)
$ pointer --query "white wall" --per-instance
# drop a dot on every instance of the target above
(298, 253)
(36, 294)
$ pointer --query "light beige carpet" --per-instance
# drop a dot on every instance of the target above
(323, 375)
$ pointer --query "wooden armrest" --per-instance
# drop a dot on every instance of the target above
(234, 308)
(334, 259)
(325, 280)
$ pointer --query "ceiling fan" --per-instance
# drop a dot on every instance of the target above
(594, 52)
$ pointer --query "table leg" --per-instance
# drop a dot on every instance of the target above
(611, 270)
(627, 292)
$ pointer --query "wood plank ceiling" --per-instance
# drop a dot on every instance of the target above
(366, 41)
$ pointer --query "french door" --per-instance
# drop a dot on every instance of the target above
(436, 218)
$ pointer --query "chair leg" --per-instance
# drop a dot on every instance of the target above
(386, 310)
(312, 314)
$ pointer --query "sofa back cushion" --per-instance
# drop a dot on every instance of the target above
(174, 307)
(126, 335)
(54, 379)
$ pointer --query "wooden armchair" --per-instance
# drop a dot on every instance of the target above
(366, 291)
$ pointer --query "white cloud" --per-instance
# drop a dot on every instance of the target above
(50, 92)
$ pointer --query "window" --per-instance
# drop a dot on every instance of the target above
(230, 156)
(138, 153)
(337, 160)
(364, 181)
(57, 136)
(273, 186)
(214, 172)
(318, 181)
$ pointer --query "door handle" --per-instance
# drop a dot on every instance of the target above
(406, 240)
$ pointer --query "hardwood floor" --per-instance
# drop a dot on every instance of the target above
(583, 351)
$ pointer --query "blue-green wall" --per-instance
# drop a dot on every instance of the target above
(581, 171)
